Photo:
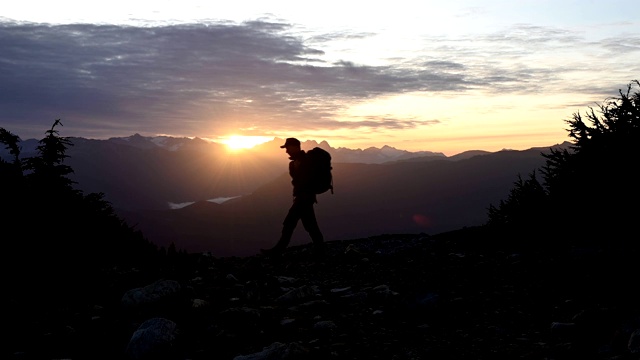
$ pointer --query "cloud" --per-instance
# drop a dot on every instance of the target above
(186, 79)
(119, 73)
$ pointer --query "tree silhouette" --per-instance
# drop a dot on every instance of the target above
(526, 201)
(589, 192)
(56, 236)
(11, 176)
(48, 171)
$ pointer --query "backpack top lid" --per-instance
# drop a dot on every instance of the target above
(321, 176)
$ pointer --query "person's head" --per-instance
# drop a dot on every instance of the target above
(292, 146)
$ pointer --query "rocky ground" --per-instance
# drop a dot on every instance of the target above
(451, 296)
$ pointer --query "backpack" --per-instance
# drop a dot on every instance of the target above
(320, 164)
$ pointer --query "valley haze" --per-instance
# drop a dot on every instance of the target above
(166, 188)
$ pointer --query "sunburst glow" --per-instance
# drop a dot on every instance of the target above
(241, 142)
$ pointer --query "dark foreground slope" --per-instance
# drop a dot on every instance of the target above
(457, 295)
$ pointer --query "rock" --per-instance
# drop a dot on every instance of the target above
(154, 339)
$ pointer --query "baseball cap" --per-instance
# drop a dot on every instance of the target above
(290, 142)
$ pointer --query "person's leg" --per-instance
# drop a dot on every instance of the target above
(288, 226)
(310, 223)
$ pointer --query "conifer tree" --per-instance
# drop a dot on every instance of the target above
(589, 192)
(54, 234)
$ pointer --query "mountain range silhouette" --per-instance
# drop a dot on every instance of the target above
(377, 191)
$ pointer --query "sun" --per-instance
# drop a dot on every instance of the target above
(241, 142)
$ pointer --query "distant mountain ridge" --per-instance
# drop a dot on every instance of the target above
(370, 155)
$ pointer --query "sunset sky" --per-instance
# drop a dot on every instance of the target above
(444, 76)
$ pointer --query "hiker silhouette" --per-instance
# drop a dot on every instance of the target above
(304, 198)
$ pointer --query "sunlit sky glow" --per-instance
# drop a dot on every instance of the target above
(416, 75)
(240, 142)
